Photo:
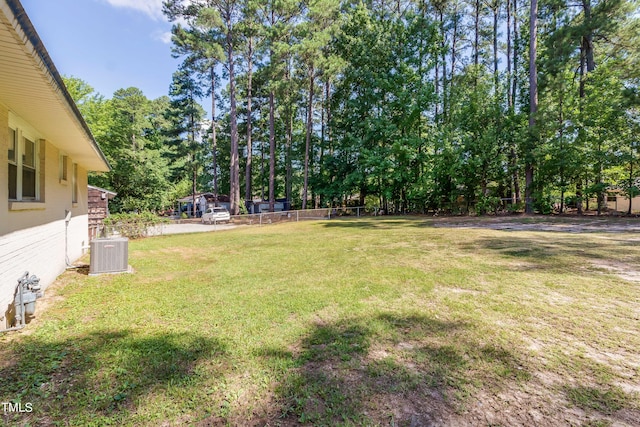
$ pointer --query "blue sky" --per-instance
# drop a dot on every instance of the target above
(110, 44)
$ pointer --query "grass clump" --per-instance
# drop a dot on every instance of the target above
(607, 401)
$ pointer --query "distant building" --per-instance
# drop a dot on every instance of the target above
(185, 204)
(258, 206)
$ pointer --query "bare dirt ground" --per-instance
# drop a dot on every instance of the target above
(531, 403)
(624, 228)
(564, 224)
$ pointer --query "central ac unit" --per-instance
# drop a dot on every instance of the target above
(109, 256)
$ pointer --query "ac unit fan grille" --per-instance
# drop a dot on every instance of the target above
(109, 256)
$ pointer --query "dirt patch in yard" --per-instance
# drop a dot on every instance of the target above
(620, 269)
(620, 231)
(563, 224)
(348, 376)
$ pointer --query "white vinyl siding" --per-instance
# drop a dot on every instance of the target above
(40, 250)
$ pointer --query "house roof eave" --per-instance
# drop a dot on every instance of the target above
(28, 71)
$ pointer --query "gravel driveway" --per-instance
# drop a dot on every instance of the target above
(174, 228)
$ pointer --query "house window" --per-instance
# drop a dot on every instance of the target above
(74, 184)
(64, 168)
(13, 165)
(23, 167)
(29, 170)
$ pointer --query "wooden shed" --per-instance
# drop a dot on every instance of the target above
(98, 201)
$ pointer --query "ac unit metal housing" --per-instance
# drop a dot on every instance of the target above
(109, 256)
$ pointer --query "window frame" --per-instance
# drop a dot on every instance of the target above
(63, 175)
(74, 183)
(12, 142)
(20, 163)
(30, 167)
(13, 162)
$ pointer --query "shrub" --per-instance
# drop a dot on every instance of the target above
(133, 225)
(487, 204)
(543, 205)
(515, 207)
(243, 207)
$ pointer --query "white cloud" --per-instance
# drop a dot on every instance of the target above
(163, 36)
(152, 8)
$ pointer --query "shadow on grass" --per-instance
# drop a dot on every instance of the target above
(82, 269)
(554, 251)
(99, 376)
(390, 369)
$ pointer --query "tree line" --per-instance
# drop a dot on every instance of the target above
(411, 106)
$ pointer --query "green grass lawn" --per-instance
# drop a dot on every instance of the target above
(345, 322)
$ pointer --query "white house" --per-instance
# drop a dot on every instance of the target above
(46, 150)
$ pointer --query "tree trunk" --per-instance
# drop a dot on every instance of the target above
(515, 176)
(272, 130)
(476, 34)
(325, 100)
(288, 156)
(288, 182)
(262, 169)
(308, 138)
(561, 136)
(581, 130)
(436, 82)
(496, 11)
(329, 135)
(509, 97)
(514, 88)
(630, 194)
(454, 41)
(248, 173)
(194, 166)
(436, 85)
(601, 192)
(533, 104)
(587, 39)
(587, 48)
(193, 189)
(444, 65)
(513, 155)
(579, 195)
(213, 135)
(272, 151)
(234, 195)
